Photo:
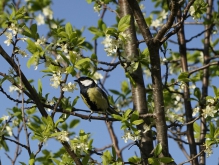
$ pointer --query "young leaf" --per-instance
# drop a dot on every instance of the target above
(138, 122)
(166, 159)
(124, 23)
(68, 28)
(158, 150)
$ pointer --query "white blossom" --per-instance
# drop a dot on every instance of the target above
(97, 76)
(9, 130)
(56, 79)
(9, 38)
(63, 136)
(110, 45)
(53, 26)
(41, 41)
(163, 14)
(4, 118)
(64, 48)
(192, 10)
(40, 19)
(79, 146)
(208, 151)
(97, 9)
(146, 128)
(209, 111)
(48, 12)
(69, 87)
(128, 135)
(13, 88)
(22, 52)
(210, 101)
(195, 111)
(13, 28)
(156, 23)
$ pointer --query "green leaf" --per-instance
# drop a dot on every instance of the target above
(124, 23)
(138, 122)
(166, 159)
(115, 92)
(184, 77)
(112, 31)
(33, 30)
(81, 62)
(117, 117)
(125, 87)
(60, 120)
(31, 46)
(212, 130)
(216, 92)
(157, 150)
(197, 93)
(22, 163)
(75, 101)
(32, 159)
(96, 31)
(153, 161)
(70, 70)
(197, 128)
(127, 113)
(85, 159)
(101, 25)
(68, 28)
(134, 159)
(74, 123)
(114, 153)
(40, 86)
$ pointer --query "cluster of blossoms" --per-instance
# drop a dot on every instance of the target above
(128, 135)
(41, 41)
(13, 88)
(13, 30)
(210, 109)
(69, 87)
(173, 116)
(208, 150)
(4, 118)
(57, 79)
(97, 8)
(47, 12)
(158, 22)
(78, 146)
(111, 44)
(63, 136)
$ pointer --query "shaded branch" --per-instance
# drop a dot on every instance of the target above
(203, 67)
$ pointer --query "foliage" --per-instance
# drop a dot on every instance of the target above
(175, 76)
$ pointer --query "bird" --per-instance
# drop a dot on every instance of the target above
(94, 97)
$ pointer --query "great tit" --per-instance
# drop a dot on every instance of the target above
(94, 97)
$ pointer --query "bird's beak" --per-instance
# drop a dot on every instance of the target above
(76, 81)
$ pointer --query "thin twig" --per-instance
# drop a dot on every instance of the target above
(22, 110)
(192, 158)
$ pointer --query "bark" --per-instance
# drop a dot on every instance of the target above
(153, 46)
(138, 91)
(205, 80)
(187, 102)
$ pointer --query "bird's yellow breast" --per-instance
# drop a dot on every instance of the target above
(97, 97)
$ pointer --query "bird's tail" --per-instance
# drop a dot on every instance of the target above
(112, 110)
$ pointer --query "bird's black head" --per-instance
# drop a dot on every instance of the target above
(86, 82)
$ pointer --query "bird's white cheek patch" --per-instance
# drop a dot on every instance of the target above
(86, 82)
